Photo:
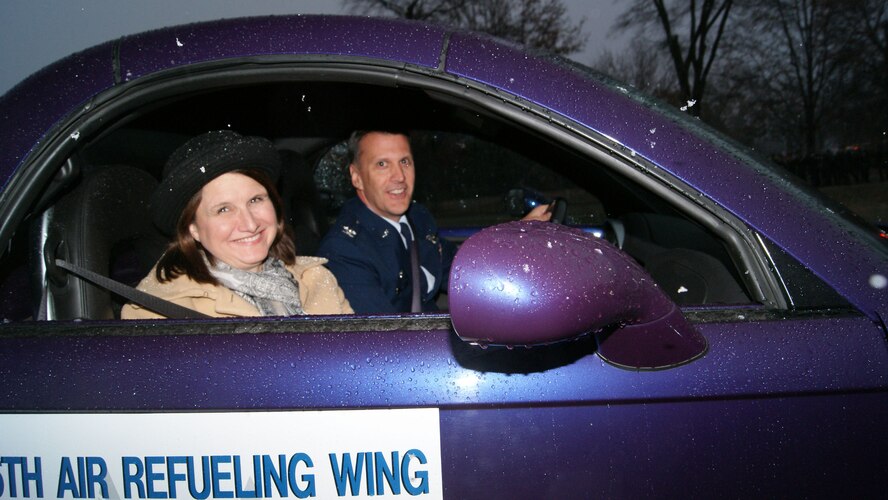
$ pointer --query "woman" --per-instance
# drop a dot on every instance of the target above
(231, 254)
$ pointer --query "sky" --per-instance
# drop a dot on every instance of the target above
(35, 33)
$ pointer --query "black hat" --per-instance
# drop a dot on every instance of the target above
(202, 159)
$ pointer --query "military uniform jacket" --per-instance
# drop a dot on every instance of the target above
(368, 258)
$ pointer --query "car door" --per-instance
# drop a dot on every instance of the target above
(776, 395)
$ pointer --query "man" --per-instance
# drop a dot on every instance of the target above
(370, 247)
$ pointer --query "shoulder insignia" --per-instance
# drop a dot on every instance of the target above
(433, 238)
(351, 233)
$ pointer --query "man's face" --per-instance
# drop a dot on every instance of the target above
(383, 174)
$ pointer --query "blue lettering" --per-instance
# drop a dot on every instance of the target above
(27, 476)
(151, 476)
(422, 475)
(67, 481)
(36, 476)
(295, 460)
(96, 470)
(347, 473)
(384, 474)
(132, 475)
(205, 474)
(81, 475)
(274, 476)
(368, 465)
(172, 475)
(238, 482)
(218, 476)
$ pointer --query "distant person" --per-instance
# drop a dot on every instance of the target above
(231, 254)
(370, 246)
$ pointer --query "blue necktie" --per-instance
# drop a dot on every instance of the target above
(407, 234)
(416, 303)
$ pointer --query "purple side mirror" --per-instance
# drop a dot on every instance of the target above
(531, 283)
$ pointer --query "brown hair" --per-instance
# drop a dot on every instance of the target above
(185, 255)
(354, 140)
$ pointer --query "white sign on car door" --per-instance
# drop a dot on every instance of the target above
(301, 454)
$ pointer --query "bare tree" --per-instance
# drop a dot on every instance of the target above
(802, 59)
(641, 67)
(873, 15)
(873, 77)
(693, 53)
(542, 24)
(423, 10)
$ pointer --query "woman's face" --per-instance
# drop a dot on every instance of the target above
(235, 221)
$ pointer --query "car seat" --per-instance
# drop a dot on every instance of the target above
(689, 264)
(302, 205)
(102, 225)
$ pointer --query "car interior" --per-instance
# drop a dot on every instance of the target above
(474, 169)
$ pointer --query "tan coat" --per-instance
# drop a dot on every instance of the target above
(318, 291)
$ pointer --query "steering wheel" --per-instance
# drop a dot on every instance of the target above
(558, 209)
(614, 232)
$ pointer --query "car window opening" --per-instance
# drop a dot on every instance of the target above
(472, 171)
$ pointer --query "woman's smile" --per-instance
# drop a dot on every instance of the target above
(236, 221)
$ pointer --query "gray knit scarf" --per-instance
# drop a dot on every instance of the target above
(272, 290)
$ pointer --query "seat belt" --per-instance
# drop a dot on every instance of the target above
(161, 306)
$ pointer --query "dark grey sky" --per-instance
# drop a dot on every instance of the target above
(34, 33)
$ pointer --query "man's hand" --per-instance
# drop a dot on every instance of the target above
(540, 212)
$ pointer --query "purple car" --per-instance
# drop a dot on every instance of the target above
(696, 324)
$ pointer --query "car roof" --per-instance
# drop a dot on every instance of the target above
(50, 94)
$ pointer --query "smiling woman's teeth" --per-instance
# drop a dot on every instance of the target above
(249, 239)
